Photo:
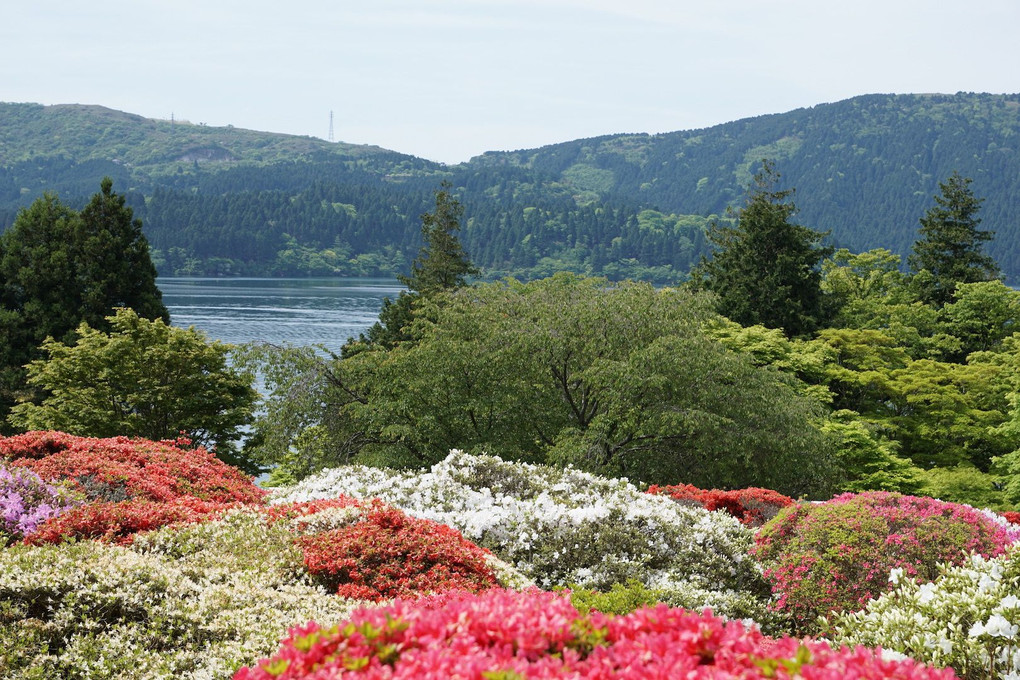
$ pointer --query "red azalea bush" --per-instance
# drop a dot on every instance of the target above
(835, 556)
(389, 554)
(1011, 517)
(752, 506)
(119, 468)
(275, 513)
(507, 635)
(119, 522)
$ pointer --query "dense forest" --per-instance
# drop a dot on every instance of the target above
(226, 201)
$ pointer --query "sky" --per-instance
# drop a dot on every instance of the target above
(450, 79)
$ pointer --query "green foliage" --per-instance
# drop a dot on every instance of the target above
(950, 247)
(442, 263)
(142, 379)
(966, 484)
(59, 268)
(621, 599)
(765, 270)
(869, 461)
(614, 378)
(981, 315)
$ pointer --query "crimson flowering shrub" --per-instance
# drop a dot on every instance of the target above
(507, 635)
(289, 511)
(1011, 517)
(829, 557)
(118, 468)
(119, 522)
(752, 506)
(386, 554)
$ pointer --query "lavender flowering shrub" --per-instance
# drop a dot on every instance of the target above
(26, 501)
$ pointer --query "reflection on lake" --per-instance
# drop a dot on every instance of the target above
(295, 311)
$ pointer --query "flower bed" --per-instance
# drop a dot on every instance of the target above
(968, 618)
(118, 468)
(26, 501)
(563, 527)
(752, 506)
(504, 635)
(191, 600)
(837, 555)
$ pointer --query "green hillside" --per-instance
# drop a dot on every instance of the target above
(232, 201)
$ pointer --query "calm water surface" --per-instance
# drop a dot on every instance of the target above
(296, 311)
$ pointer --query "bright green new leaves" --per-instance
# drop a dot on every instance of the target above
(142, 379)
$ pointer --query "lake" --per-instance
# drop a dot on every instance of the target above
(296, 311)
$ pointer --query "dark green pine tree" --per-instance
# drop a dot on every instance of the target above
(951, 245)
(442, 264)
(765, 269)
(113, 264)
(58, 268)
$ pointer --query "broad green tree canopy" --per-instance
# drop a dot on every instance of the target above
(142, 379)
(615, 378)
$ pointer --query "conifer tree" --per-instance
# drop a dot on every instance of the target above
(59, 267)
(765, 270)
(951, 245)
(442, 264)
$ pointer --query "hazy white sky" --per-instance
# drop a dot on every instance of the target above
(450, 79)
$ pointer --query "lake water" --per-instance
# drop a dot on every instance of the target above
(295, 311)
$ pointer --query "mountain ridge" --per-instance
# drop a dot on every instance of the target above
(634, 204)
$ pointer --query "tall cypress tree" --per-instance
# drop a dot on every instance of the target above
(765, 269)
(951, 245)
(442, 264)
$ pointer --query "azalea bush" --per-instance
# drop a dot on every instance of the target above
(117, 468)
(563, 527)
(193, 600)
(835, 556)
(752, 506)
(387, 554)
(967, 618)
(120, 522)
(513, 635)
(26, 501)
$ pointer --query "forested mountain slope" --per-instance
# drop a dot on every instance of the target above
(226, 200)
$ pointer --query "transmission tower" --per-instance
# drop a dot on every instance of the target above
(331, 126)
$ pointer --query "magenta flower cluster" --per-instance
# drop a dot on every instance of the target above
(835, 556)
(509, 635)
(26, 501)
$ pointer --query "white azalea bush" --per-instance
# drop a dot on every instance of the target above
(967, 619)
(564, 527)
(192, 602)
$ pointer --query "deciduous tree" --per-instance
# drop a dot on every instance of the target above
(142, 379)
